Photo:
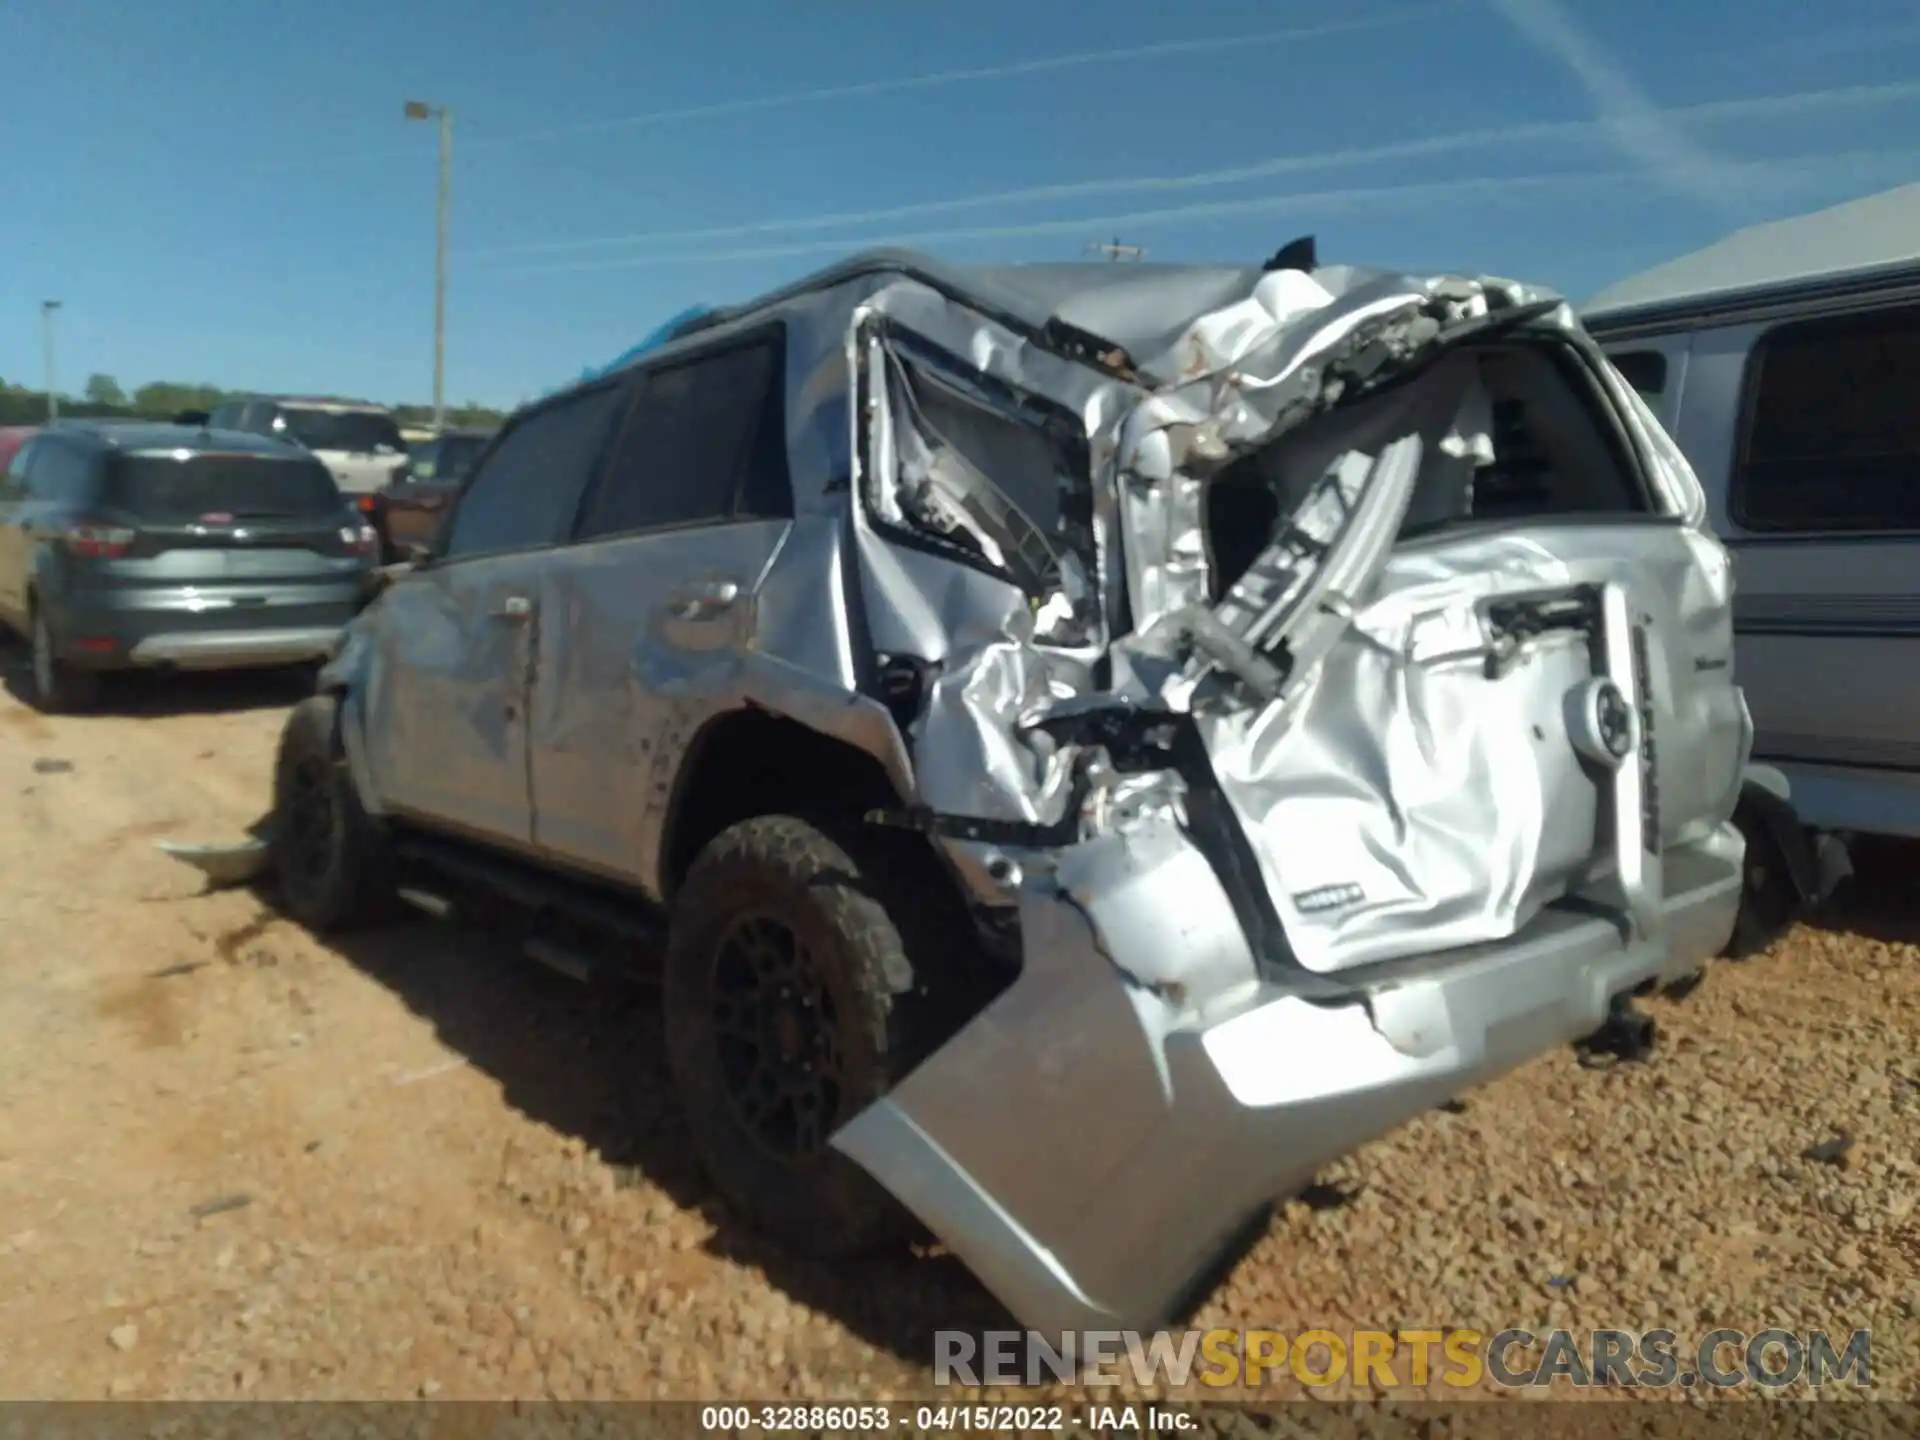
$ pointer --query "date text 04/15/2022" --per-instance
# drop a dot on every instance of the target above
(932, 1419)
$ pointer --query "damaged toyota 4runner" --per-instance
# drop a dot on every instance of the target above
(1086, 745)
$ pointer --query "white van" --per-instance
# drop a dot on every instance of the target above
(1785, 361)
(360, 443)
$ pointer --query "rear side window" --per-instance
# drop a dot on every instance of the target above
(526, 491)
(1644, 370)
(1832, 431)
(166, 489)
(706, 441)
(17, 468)
(60, 473)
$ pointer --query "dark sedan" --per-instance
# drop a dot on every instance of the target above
(408, 510)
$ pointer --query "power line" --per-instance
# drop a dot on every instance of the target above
(1475, 188)
(1422, 148)
(1158, 50)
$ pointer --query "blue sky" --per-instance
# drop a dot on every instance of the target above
(228, 193)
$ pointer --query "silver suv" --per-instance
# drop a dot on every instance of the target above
(1091, 743)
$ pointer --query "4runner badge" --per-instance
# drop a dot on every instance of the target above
(1328, 897)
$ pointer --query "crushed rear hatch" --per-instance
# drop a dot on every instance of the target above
(1362, 645)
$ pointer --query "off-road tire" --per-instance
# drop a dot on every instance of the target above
(56, 687)
(866, 920)
(329, 857)
(1769, 903)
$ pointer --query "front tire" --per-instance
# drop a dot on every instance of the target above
(58, 688)
(790, 1004)
(328, 854)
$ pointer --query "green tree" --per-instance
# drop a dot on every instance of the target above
(104, 390)
(164, 398)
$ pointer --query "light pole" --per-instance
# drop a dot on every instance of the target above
(420, 110)
(47, 307)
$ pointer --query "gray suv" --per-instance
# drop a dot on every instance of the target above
(132, 545)
(1087, 744)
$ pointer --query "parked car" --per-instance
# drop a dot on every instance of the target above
(359, 443)
(408, 509)
(135, 545)
(1785, 360)
(1212, 715)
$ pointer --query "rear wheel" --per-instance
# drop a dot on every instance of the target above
(58, 688)
(1769, 903)
(329, 856)
(791, 1005)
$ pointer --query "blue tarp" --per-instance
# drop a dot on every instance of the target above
(652, 342)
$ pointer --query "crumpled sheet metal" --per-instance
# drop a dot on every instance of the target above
(226, 867)
(1386, 765)
(231, 864)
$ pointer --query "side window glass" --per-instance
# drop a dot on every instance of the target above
(60, 473)
(705, 441)
(426, 461)
(16, 478)
(1833, 435)
(527, 491)
(37, 482)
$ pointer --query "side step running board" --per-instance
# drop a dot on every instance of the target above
(582, 912)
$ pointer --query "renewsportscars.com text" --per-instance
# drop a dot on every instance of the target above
(1458, 1358)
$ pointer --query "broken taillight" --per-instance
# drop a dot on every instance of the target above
(97, 542)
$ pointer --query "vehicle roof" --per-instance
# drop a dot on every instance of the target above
(1133, 305)
(141, 436)
(327, 402)
(1870, 237)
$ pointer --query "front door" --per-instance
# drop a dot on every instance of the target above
(461, 637)
(447, 709)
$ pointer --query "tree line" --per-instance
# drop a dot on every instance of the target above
(103, 399)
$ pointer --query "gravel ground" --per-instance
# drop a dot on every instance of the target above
(237, 1163)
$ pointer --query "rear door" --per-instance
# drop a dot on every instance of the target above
(653, 611)
(458, 638)
(1823, 515)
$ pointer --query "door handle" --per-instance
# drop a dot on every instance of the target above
(699, 602)
(514, 609)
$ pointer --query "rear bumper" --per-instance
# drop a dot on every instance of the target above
(1147, 1137)
(234, 649)
(136, 630)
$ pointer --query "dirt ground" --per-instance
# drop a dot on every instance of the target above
(237, 1162)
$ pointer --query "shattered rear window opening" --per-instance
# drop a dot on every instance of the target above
(1526, 441)
(988, 477)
